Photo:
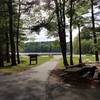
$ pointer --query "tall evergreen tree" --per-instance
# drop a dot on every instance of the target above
(71, 19)
(80, 53)
(2, 34)
(94, 33)
(11, 34)
(60, 12)
(17, 33)
(7, 45)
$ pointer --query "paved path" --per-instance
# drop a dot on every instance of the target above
(33, 85)
(27, 85)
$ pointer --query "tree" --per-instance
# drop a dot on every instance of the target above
(71, 19)
(7, 44)
(2, 35)
(11, 34)
(93, 29)
(17, 33)
(86, 42)
(46, 22)
(1, 52)
(60, 12)
(79, 8)
(79, 21)
(80, 57)
(75, 9)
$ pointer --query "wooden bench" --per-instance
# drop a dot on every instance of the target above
(33, 57)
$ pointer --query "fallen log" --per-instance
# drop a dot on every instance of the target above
(82, 73)
(76, 65)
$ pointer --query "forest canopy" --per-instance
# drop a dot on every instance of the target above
(19, 18)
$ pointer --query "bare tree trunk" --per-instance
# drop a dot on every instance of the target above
(7, 41)
(80, 57)
(94, 33)
(1, 57)
(71, 45)
(61, 28)
(7, 48)
(1, 61)
(17, 35)
(11, 34)
(1, 51)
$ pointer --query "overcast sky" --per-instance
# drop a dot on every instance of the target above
(43, 34)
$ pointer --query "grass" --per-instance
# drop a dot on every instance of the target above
(85, 59)
(24, 65)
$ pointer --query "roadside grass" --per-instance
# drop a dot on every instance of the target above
(24, 65)
(85, 59)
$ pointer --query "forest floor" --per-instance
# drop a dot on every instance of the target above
(58, 89)
(43, 83)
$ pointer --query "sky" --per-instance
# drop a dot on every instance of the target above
(43, 36)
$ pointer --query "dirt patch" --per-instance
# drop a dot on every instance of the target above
(58, 89)
(55, 76)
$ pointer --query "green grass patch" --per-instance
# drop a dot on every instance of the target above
(85, 59)
(24, 65)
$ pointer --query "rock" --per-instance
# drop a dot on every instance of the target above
(86, 72)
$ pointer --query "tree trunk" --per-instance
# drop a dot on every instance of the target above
(61, 29)
(80, 57)
(71, 45)
(7, 48)
(17, 36)
(94, 33)
(64, 33)
(11, 34)
(63, 50)
(1, 61)
(1, 58)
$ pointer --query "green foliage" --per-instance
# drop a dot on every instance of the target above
(85, 58)
(9, 18)
(52, 28)
(56, 44)
(86, 42)
(86, 45)
(86, 34)
(42, 47)
(96, 47)
(79, 8)
(3, 28)
(82, 6)
(76, 45)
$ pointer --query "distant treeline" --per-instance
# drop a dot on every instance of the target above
(42, 47)
(87, 46)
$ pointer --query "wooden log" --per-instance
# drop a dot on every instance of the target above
(77, 65)
(83, 72)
